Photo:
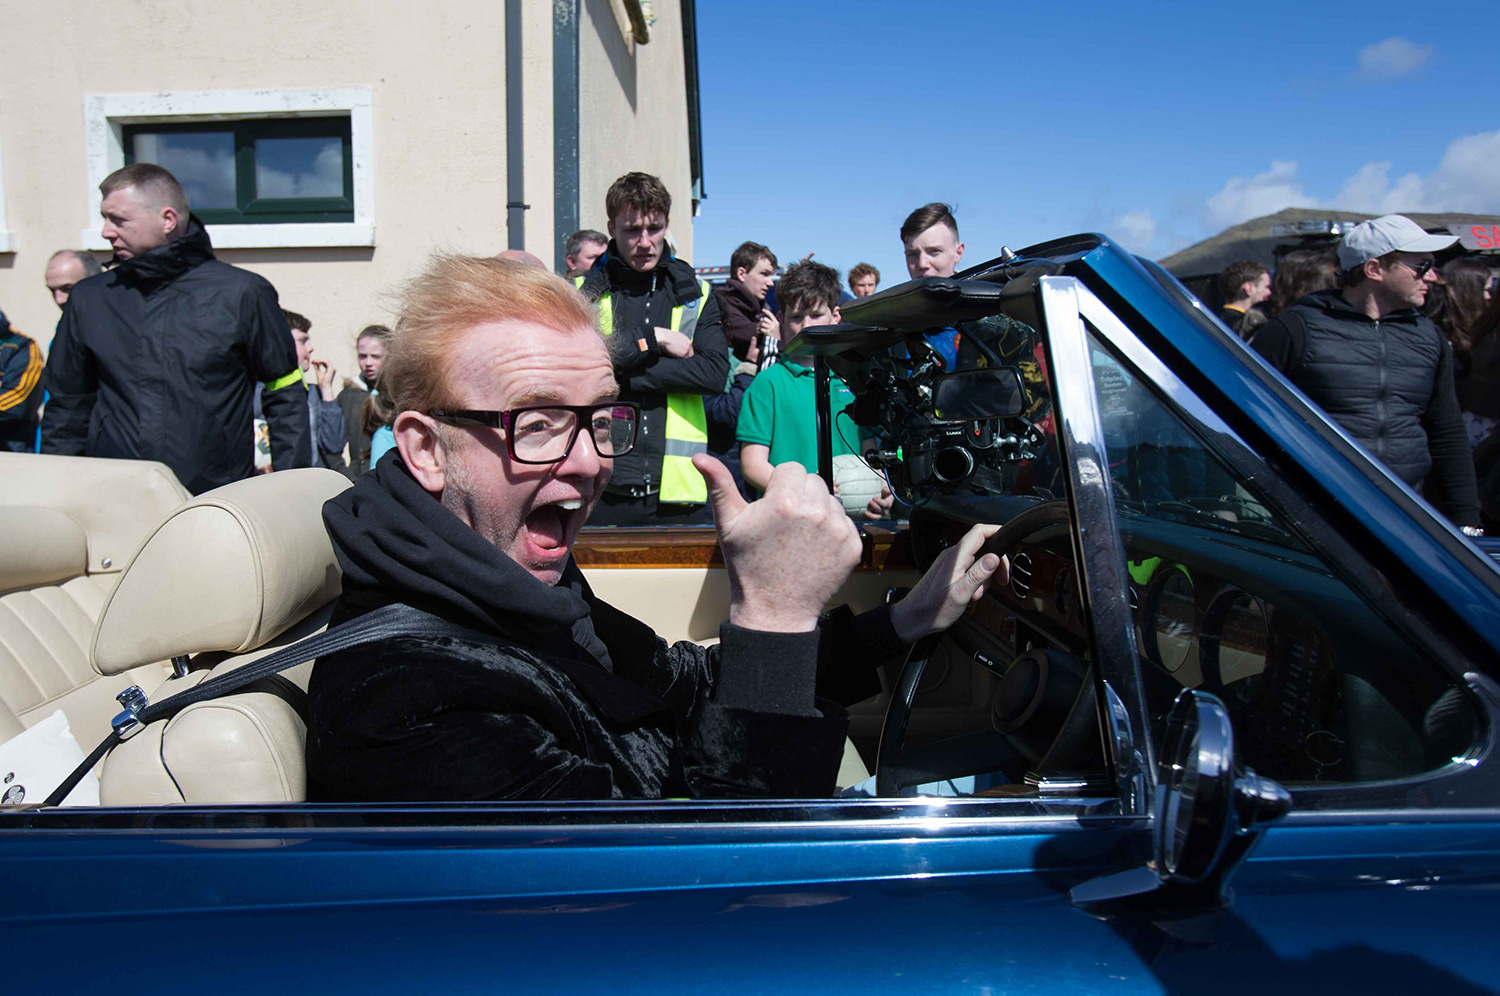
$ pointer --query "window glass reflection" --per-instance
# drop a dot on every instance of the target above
(202, 161)
(299, 167)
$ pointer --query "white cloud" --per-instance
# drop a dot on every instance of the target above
(1244, 198)
(1134, 230)
(1393, 58)
(325, 179)
(1465, 180)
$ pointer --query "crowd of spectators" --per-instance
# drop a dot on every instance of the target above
(703, 363)
(1397, 347)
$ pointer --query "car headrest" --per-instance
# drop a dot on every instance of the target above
(42, 546)
(227, 571)
(116, 501)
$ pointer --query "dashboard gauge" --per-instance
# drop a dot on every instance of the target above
(1170, 625)
(1235, 644)
(1064, 598)
(1242, 640)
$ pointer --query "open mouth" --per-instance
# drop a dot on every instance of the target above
(550, 526)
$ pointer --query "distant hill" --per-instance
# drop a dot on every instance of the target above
(1253, 239)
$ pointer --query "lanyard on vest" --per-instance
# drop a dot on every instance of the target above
(686, 431)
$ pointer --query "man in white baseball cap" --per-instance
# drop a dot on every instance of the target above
(1378, 366)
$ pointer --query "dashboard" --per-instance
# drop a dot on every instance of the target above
(1292, 652)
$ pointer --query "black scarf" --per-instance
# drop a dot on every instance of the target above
(397, 543)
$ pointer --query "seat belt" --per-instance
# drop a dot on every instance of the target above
(386, 622)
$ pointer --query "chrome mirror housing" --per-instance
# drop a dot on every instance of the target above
(1207, 815)
(1201, 803)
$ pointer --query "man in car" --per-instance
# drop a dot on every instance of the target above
(158, 358)
(1379, 367)
(508, 428)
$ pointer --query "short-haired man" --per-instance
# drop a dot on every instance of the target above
(1243, 284)
(930, 242)
(582, 249)
(356, 397)
(742, 298)
(863, 280)
(1378, 366)
(324, 415)
(21, 369)
(509, 426)
(664, 333)
(158, 358)
(65, 268)
(933, 249)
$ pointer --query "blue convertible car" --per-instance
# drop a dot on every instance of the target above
(1230, 727)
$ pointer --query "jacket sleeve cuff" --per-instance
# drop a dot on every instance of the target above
(767, 672)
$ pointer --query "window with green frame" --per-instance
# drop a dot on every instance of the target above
(263, 171)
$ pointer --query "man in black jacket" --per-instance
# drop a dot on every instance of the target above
(667, 343)
(1378, 366)
(507, 430)
(158, 358)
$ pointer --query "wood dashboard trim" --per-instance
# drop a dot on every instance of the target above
(697, 547)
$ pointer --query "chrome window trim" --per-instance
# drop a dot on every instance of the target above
(852, 819)
(1470, 778)
(1097, 546)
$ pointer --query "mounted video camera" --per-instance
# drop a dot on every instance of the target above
(940, 430)
(945, 431)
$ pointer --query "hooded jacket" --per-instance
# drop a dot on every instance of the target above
(641, 303)
(158, 358)
(1388, 382)
(552, 693)
(740, 313)
(20, 388)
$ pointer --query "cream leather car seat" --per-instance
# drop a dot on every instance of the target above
(70, 526)
(230, 576)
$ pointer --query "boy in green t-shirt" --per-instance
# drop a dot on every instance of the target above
(778, 418)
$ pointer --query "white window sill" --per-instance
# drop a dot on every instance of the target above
(292, 236)
(7, 241)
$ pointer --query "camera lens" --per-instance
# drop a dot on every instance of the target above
(952, 464)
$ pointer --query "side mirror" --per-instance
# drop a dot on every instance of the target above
(992, 392)
(1206, 817)
(1201, 803)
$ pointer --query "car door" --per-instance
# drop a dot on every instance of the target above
(1355, 659)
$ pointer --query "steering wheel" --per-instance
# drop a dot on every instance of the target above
(898, 766)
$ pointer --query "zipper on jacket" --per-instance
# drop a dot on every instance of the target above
(1380, 395)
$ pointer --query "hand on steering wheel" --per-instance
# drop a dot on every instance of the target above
(890, 774)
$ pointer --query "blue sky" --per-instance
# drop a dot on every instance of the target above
(1156, 123)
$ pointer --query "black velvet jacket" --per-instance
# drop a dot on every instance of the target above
(554, 694)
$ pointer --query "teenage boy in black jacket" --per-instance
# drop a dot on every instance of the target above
(667, 344)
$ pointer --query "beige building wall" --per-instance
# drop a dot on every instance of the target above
(633, 112)
(436, 77)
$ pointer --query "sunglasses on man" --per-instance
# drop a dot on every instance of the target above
(1420, 269)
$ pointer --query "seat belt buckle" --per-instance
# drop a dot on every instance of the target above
(128, 723)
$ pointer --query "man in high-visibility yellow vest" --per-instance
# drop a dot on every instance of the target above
(667, 344)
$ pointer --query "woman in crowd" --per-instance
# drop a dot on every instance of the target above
(1456, 303)
(1479, 396)
(1299, 273)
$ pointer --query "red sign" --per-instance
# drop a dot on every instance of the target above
(1477, 236)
